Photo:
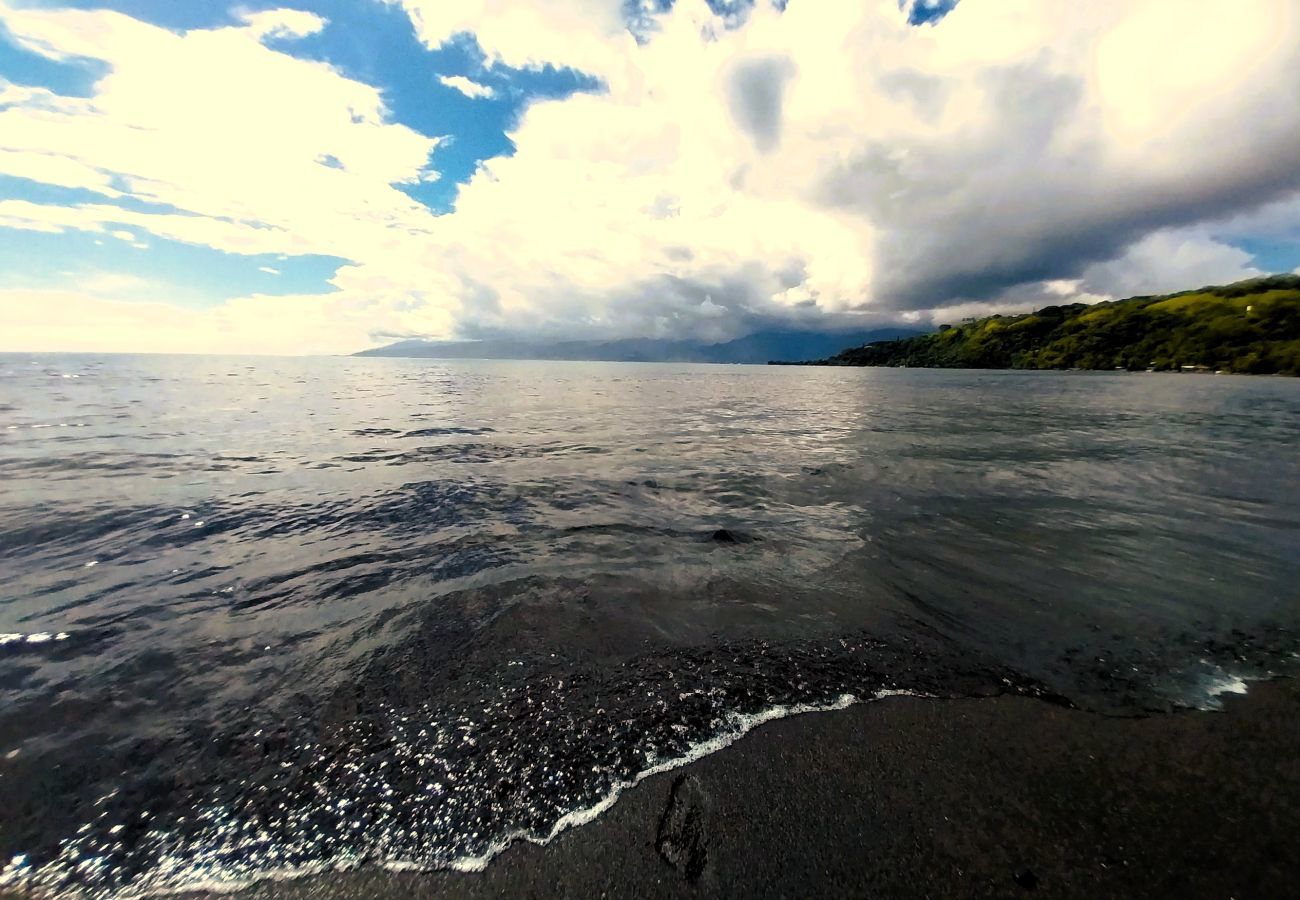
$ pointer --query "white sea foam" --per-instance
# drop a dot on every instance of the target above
(36, 637)
(1232, 684)
(741, 725)
(169, 876)
(1221, 682)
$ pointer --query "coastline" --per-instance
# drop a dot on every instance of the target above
(924, 797)
(832, 363)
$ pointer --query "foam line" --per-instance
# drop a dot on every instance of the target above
(738, 724)
(741, 725)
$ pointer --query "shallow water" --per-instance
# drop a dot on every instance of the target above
(264, 615)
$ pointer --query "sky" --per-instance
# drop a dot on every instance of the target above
(324, 176)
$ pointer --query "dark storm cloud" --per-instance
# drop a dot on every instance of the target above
(972, 219)
(755, 94)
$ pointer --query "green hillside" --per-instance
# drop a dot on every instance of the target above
(1249, 327)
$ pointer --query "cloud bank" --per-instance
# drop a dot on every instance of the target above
(824, 163)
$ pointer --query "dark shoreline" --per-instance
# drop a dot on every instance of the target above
(916, 797)
(832, 363)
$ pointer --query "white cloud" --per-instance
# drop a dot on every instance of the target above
(1167, 261)
(834, 154)
(112, 283)
(1278, 221)
(74, 321)
(469, 88)
(223, 129)
(828, 160)
(1162, 262)
(57, 170)
(268, 270)
(222, 136)
(590, 35)
(282, 23)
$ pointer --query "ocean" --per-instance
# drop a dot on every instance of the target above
(263, 616)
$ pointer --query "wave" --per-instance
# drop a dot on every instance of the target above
(173, 875)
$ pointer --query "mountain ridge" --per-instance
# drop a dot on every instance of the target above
(757, 348)
(1247, 327)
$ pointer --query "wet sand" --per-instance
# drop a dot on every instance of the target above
(910, 797)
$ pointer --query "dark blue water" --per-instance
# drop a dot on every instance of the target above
(260, 616)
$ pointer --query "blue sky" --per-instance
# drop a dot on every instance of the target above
(370, 41)
(325, 175)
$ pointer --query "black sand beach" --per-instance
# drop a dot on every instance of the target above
(912, 797)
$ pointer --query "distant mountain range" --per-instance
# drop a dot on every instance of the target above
(761, 347)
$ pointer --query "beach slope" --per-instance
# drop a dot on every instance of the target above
(911, 797)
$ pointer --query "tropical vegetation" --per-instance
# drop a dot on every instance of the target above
(1249, 327)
